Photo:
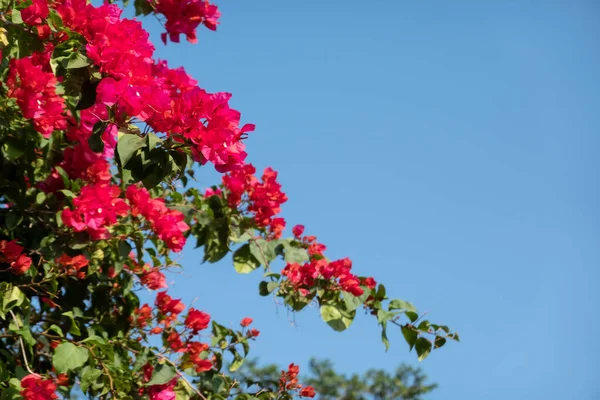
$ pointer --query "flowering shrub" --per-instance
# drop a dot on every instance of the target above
(99, 145)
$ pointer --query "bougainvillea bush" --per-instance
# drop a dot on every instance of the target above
(99, 143)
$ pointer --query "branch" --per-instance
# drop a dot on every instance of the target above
(182, 376)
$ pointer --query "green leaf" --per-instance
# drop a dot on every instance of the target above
(384, 337)
(67, 193)
(97, 340)
(88, 377)
(265, 288)
(77, 60)
(142, 7)
(153, 141)
(237, 362)
(263, 250)
(68, 357)
(88, 94)
(163, 373)
(244, 237)
(336, 318)
(439, 342)
(16, 16)
(10, 393)
(218, 384)
(243, 261)
(423, 348)
(25, 333)
(380, 292)
(12, 296)
(183, 391)
(353, 302)
(124, 249)
(454, 336)
(40, 198)
(424, 326)
(74, 326)
(12, 220)
(294, 254)
(413, 316)
(384, 316)
(13, 149)
(410, 336)
(56, 329)
(398, 304)
(127, 146)
(95, 140)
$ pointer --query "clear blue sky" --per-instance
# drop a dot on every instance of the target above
(451, 150)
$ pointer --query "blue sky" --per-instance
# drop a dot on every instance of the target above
(450, 149)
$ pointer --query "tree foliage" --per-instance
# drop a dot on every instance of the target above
(405, 383)
(99, 146)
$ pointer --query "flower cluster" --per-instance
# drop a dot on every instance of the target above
(264, 198)
(251, 333)
(182, 342)
(185, 16)
(162, 392)
(11, 253)
(303, 276)
(35, 13)
(168, 224)
(168, 100)
(36, 388)
(289, 382)
(96, 207)
(35, 91)
(73, 265)
(205, 121)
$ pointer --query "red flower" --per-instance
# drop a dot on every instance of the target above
(175, 342)
(167, 305)
(298, 230)
(48, 301)
(194, 350)
(197, 320)
(185, 16)
(73, 264)
(35, 90)
(316, 249)
(36, 388)
(21, 264)
(35, 13)
(163, 392)
(96, 208)
(246, 322)
(212, 192)
(203, 365)
(307, 391)
(276, 227)
(265, 197)
(168, 224)
(154, 280)
(369, 282)
(144, 315)
(252, 333)
(62, 380)
(148, 370)
(10, 252)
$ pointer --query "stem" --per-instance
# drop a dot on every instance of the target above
(22, 344)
